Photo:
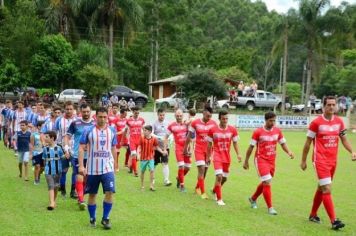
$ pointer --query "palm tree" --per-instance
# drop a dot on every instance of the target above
(126, 15)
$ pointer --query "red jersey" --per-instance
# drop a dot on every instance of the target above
(135, 127)
(221, 139)
(201, 129)
(266, 141)
(325, 134)
(148, 147)
(112, 119)
(120, 124)
(179, 132)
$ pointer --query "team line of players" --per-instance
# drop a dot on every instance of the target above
(93, 150)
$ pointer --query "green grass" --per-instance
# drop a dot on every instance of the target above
(168, 212)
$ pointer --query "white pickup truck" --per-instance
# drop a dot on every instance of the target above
(259, 99)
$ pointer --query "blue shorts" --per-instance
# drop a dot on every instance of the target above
(37, 160)
(75, 165)
(150, 164)
(107, 180)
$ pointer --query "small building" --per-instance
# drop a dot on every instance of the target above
(165, 87)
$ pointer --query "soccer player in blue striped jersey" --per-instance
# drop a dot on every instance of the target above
(49, 124)
(100, 142)
(40, 115)
(52, 156)
(75, 131)
(61, 126)
(36, 151)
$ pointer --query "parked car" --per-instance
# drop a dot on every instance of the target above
(28, 93)
(300, 107)
(73, 95)
(259, 99)
(121, 91)
(171, 101)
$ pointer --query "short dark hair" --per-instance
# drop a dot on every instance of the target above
(68, 103)
(18, 102)
(223, 113)
(52, 134)
(192, 112)
(115, 105)
(269, 115)
(83, 106)
(328, 98)
(102, 109)
(24, 122)
(135, 108)
(57, 108)
(123, 110)
(160, 110)
(40, 123)
(148, 127)
(208, 109)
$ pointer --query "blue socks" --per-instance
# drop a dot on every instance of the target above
(92, 210)
(106, 209)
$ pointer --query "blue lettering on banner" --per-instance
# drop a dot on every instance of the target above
(293, 122)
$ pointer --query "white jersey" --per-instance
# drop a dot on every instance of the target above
(61, 126)
(17, 118)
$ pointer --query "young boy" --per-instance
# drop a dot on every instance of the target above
(36, 151)
(22, 141)
(52, 156)
(148, 145)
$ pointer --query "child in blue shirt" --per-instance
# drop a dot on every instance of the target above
(52, 156)
(22, 141)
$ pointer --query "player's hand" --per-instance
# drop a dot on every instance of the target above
(82, 170)
(291, 155)
(67, 155)
(303, 165)
(353, 156)
(246, 166)
(239, 158)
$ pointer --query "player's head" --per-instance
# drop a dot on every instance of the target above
(207, 113)
(69, 108)
(224, 117)
(329, 105)
(20, 104)
(270, 119)
(8, 103)
(135, 111)
(115, 108)
(39, 124)
(33, 108)
(123, 112)
(179, 115)
(23, 125)
(40, 107)
(85, 111)
(161, 113)
(50, 137)
(101, 116)
(192, 112)
(56, 112)
(147, 130)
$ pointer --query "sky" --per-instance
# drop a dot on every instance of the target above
(282, 6)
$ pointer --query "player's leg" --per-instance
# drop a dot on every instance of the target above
(200, 162)
(143, 166)
(75, 166)
(218, 180)
(20, 159)
(63, 180)
(91, 188)
(108, 182)
(26, 157)
(165, 169)
(51, 185)
(151, 168)
(317, 200)
(127, 156)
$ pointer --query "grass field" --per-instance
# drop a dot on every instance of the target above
(169, 212)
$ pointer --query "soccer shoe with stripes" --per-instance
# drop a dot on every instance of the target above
(315, 219)
(272, 211)
(337, 224)
(92, 223)
(106, 223)
(204, 196)
(253, 203)
(220, 203)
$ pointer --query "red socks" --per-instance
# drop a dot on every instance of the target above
(79, 187)
(258, 192)
(329, 206)
(267, 195)
(201, 185)
(181, 176)
(134, 165)
(217, 191)
(186, 170)
(318, 198)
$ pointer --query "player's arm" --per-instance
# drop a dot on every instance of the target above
(236, 148)
(209, 151)
(306, 148)
(247, 158)
(347, 145)
(187, 142)
(114, 152)
(81, 169)
(32, 145)
(67, 139)
(286, 150)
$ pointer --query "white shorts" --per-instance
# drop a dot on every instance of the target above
(24, 156)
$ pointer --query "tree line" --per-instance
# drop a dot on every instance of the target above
(80, 43)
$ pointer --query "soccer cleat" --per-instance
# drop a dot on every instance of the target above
(198, 191)
(130, 171)
(314, 219)
(106, 223)
(214, 194)
(204, 196)
(182, 189)
(36, 182)
(152, 189)
(168, 183)
(92, 223)
(82, 206)
(136, 175)
(253, 203)
(73, 195)
(337, 224)
(272, 211)
(220, 203)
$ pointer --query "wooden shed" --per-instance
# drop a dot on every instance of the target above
(165, 87)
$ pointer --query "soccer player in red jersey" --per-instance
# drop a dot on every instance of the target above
(265, 139)
(122, 140)
(113, 116)
(200, 128)
(325, 132)
(179, 131)
(221, 137)
(134, 127)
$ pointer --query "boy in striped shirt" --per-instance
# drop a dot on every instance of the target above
(148, 145)
(52, 156)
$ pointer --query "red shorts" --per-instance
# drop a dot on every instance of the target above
(325, 172)
(221, 168)
(265, 168)
(200, 157)
(134, 144)
(182, 160)
(121, 142)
